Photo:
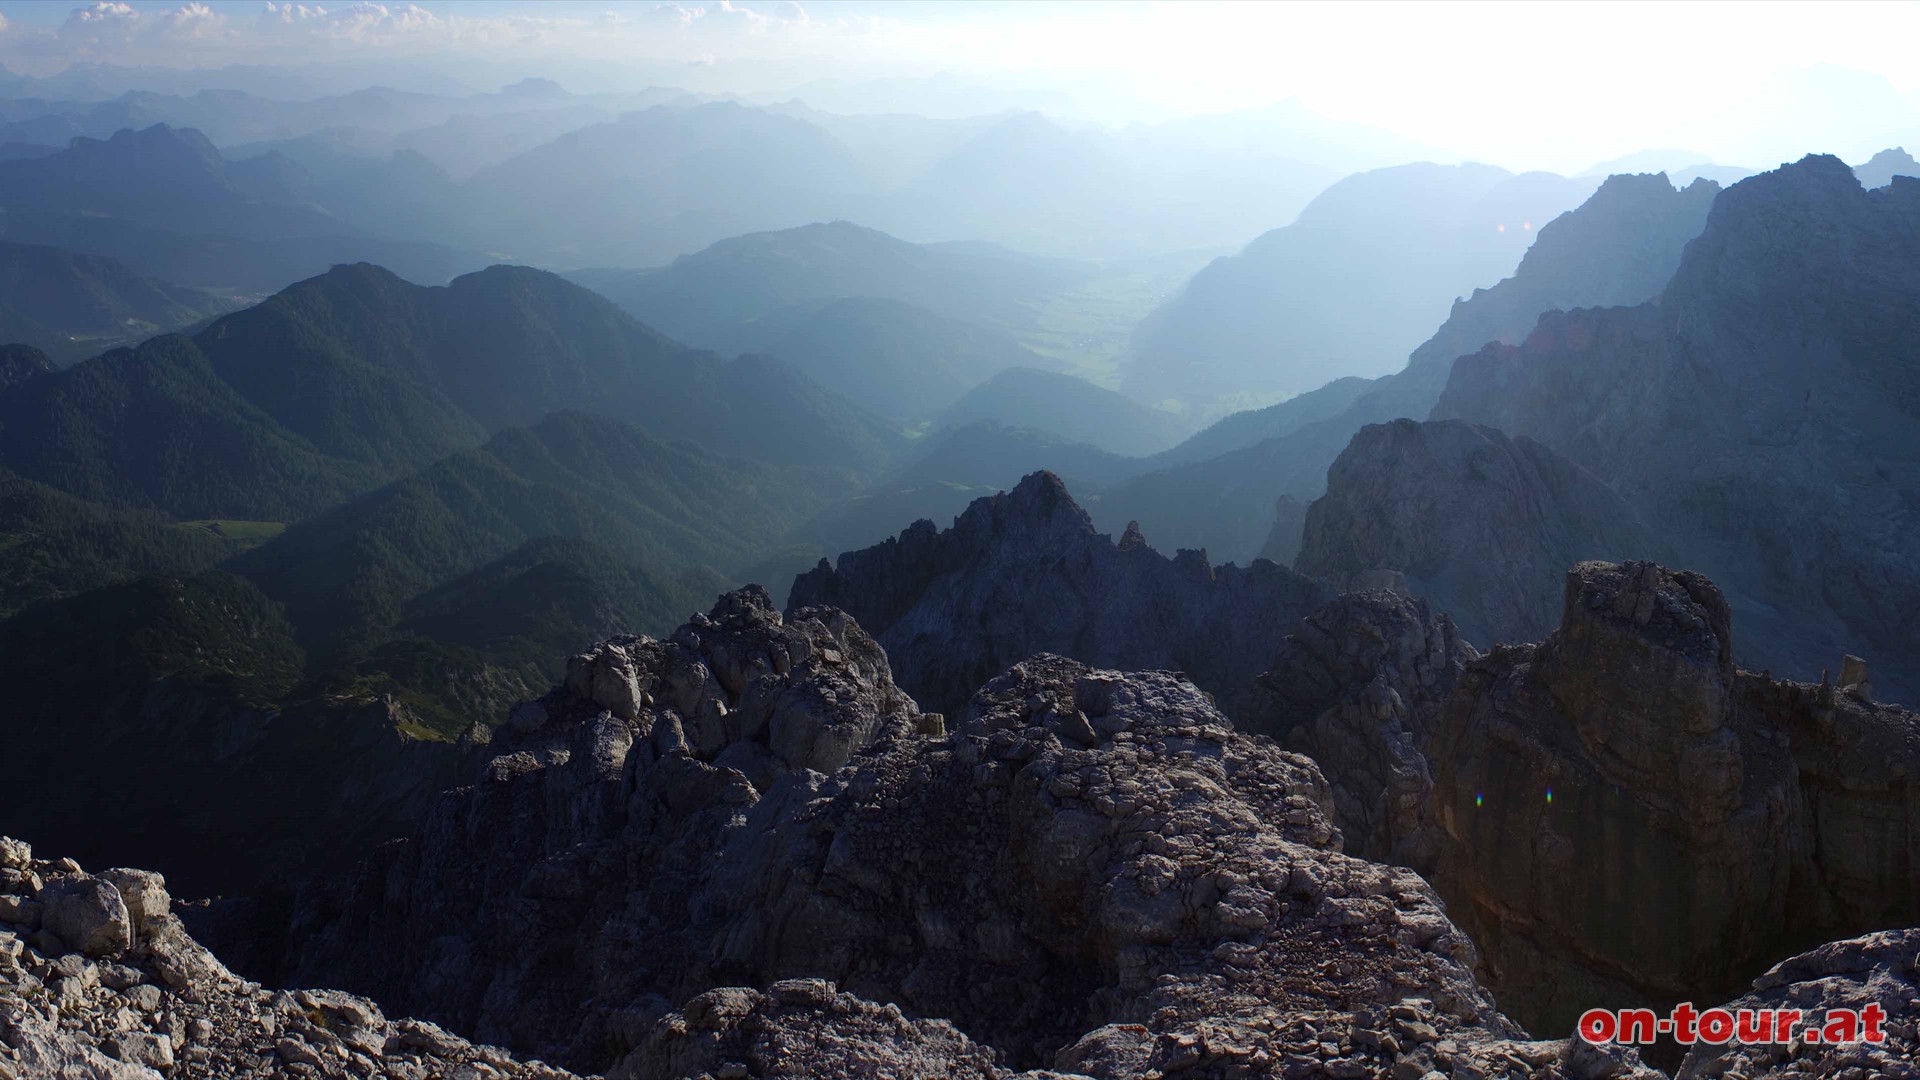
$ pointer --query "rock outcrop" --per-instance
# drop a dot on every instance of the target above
(1617, 815)
(100, 981)
(1479, 524)
(1761, 415)
(1025, 572)
(1092, 872)
(551, 904)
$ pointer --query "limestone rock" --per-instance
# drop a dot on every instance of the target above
(87, 913)
(166, 1006)
(1358, 687)
(1878, 969)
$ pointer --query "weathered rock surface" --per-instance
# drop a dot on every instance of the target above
(100, 981)
(1025, 572)
(1358, 687)
(1762, 415)
(1477, 523)
(1092, 872)
(1878, 969)
(553, 903)
(1617, 815)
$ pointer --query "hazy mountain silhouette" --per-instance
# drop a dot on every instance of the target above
(1348, 289)
(1879, 170)
(890, 357)
(661, 182)
(163, 201)
(1620, 246)
(1071, 408)
(709, 298)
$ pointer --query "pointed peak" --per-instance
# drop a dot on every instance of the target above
(1133, 538)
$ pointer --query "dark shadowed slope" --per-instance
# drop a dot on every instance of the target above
(672, 508)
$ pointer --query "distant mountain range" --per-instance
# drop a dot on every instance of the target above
(1350, 288)
(164, 202)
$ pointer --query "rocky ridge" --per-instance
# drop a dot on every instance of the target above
(1091, 872)
(1026, 572)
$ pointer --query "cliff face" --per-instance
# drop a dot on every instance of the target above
(1762, 415)
(1471, 520)
(1025, 572)
(1617, 814)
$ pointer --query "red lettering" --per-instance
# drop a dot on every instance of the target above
(1755, 1026)
(1638, 1026)
(1683, 1020)
(1842, 1027)
(1598, 1026)
(1716, 1026)
(1872, 1017)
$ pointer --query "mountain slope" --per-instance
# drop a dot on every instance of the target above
(1621, 246)
(164, 202)
(662, 182)
(351, 572)
(890, 357)
(1479, 525)
(356, 377)
(73, 305)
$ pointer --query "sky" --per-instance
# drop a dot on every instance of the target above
(1561, 86)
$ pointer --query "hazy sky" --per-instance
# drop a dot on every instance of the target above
(1545, 85)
